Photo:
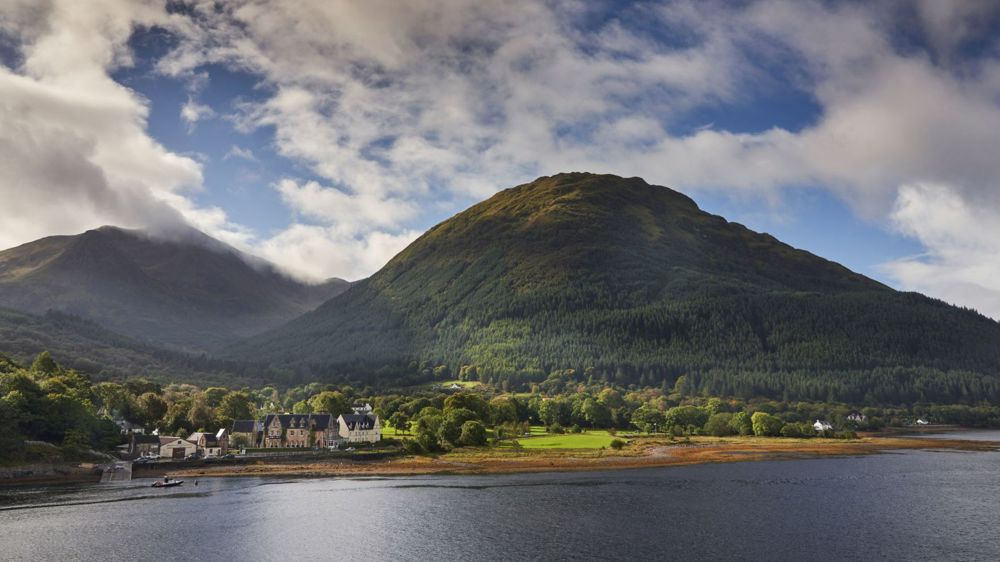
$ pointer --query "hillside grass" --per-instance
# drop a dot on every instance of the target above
(442, 385)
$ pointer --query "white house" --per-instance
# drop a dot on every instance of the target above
(822, 426)
(922, 421)
(128, 428)
(210, 445)
(172, 447)
(360, 428)
(362, 410)
(856, 417)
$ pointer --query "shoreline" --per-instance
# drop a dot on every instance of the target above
(643, 453)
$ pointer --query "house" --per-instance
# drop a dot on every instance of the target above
(360, 428)
(454, 386)
(141, 445)
(362, 410)
(856, 417)
(246, 433)
(821, 426)
(211, 445)
(172, 447)
(127, 428)
(299, 430)
(922, 421)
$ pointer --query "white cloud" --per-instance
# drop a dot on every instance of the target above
(74, 149)
(962, 241)
(192, 112)
(316, 251)
(240, 152)
(401, 111)
(73, 145)
(397, 106)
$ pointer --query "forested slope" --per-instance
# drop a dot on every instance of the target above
(615, 278)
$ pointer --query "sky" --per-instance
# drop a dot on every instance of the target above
(326, 135)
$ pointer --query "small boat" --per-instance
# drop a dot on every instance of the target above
(167, 483)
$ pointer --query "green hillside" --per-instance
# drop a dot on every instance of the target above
(618, 279)
(181, 289)
(85, 346)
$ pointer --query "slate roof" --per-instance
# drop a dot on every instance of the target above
(319, 422)
(139, 438)
(245, 426)
(357, 422)
(210, 439)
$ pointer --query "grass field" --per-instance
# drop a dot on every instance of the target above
(541, 440)
(389, 432)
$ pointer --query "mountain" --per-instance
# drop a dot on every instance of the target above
(89, 348)
(186, 290)
(615, 278)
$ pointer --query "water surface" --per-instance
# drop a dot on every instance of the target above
(915, 505)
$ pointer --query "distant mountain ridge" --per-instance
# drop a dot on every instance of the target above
(187, 290)
(620, 279)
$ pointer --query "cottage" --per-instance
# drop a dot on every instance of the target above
(922, 421)
(363, 409)
(856, 417)
(172, 447)
(821, 426)
(360, 428)
(299, 430)
(211, 445)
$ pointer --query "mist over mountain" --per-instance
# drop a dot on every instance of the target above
(179, 288)
(631, 282)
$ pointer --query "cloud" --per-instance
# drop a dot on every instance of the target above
(73, 145)
(315, 251)
(962, 241)
(399, 107)
(240, 152)
(192, 112)
(73, 142)
(396, 114)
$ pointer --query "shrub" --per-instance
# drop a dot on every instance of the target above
(794, 430)
(617, 444)
(575, 428)
(719, 425)
(413, 447)
(555, 428)
(765, 425)
(741, 423)
(473, 434)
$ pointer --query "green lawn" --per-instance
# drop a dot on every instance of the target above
(390, 432)
(539, 439)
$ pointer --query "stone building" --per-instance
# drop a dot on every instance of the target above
(298, 430)
(360, 428)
